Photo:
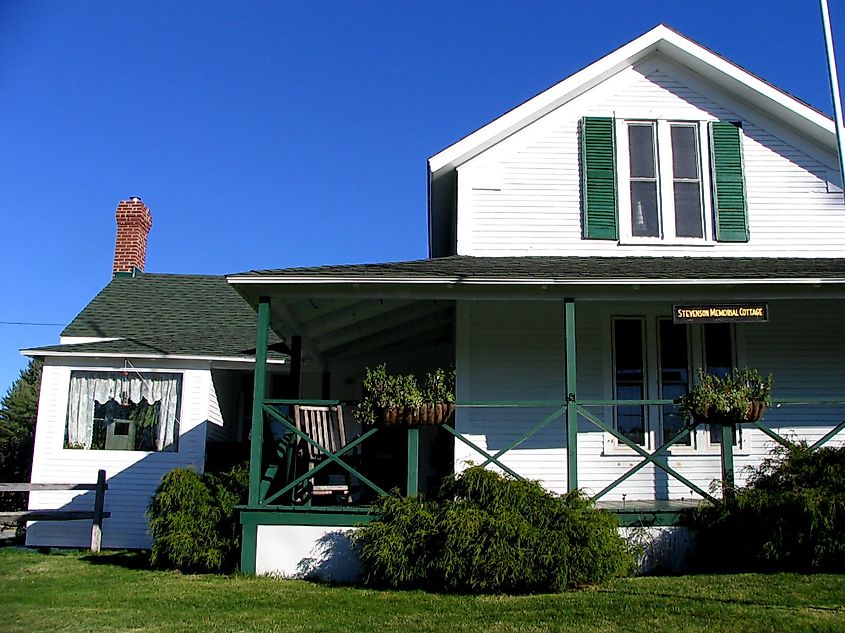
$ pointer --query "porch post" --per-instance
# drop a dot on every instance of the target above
(296, 367)
(259, 392)
(413, 461)
(571, 410)
(727, 461)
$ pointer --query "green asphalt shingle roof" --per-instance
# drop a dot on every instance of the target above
(192, 315)
(579, 268)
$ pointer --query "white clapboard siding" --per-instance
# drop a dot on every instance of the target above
(223, 405)
(514, 351)
(522, 196)
(132, 475)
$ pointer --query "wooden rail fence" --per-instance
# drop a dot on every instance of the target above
(96, 516)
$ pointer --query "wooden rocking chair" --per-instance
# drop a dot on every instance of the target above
(324, 425)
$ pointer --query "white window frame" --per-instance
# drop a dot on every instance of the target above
(665, 182)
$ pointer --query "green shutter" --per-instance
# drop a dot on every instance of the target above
(598, 173)
(729, 203)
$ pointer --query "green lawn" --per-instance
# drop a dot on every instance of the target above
(71, 592)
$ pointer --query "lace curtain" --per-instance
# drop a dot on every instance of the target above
(86, 388)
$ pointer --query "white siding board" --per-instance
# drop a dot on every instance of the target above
(522, 196)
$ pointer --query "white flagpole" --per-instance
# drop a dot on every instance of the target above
(834, 89)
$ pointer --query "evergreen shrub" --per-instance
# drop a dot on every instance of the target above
(193, 520)
(486, 533)
(789, 517)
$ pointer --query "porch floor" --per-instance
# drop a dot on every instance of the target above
(657, 512)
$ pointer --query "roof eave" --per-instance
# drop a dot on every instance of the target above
(247, 360)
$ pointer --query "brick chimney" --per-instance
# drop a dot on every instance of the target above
(133, 224)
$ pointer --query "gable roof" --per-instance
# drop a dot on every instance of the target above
(160, 315)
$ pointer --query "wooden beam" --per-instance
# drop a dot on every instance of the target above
(294, 326)
(327, 385)
(350, 313)
(295, 368)
(383, 322)
(408, 331)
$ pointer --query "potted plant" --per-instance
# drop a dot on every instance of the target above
(741, 396)
(394, 399)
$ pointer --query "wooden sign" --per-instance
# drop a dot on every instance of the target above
(721, 313)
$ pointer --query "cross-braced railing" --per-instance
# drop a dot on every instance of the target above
(283, 482)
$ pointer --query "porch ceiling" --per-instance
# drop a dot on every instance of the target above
(341, 329)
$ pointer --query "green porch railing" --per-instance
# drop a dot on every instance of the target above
(280, 482)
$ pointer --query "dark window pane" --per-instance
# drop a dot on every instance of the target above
(688, 210)
(674, 374)
(641, 150)
(644, 218)
(629, 379)
(718, 361)
(628, 338)
(672, 422)
(684, 152)
(718, 349)
(673, 350)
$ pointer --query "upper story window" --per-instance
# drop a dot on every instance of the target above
(662, 162)
(123, 411)
(662, 181)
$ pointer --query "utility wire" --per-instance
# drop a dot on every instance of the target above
(31, 323)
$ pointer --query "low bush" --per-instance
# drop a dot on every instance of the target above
(789, 517)
(485, 533)
(193, 521)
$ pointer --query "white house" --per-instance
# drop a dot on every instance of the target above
(575, 244)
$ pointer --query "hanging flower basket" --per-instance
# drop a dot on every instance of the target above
(400, 400)
(741, 396)
(429, 414)
(755, 411)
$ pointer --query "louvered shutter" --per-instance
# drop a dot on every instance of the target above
(729, 204)
(598, 171)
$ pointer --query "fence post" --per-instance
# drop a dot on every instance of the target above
(413, 461)
(99, 503)
(258, 394)
(571, 402)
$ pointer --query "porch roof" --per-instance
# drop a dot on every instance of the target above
(564, 269)
(342, 311)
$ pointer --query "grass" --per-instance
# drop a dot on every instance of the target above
(72, 591)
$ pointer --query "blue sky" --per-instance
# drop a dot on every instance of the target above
(275, 134)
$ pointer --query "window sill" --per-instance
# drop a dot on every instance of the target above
(632, 241)
(622, 452)
(114, 451)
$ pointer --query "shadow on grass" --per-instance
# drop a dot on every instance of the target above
(128, 559)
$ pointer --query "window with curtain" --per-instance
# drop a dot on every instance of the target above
(124, 411)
